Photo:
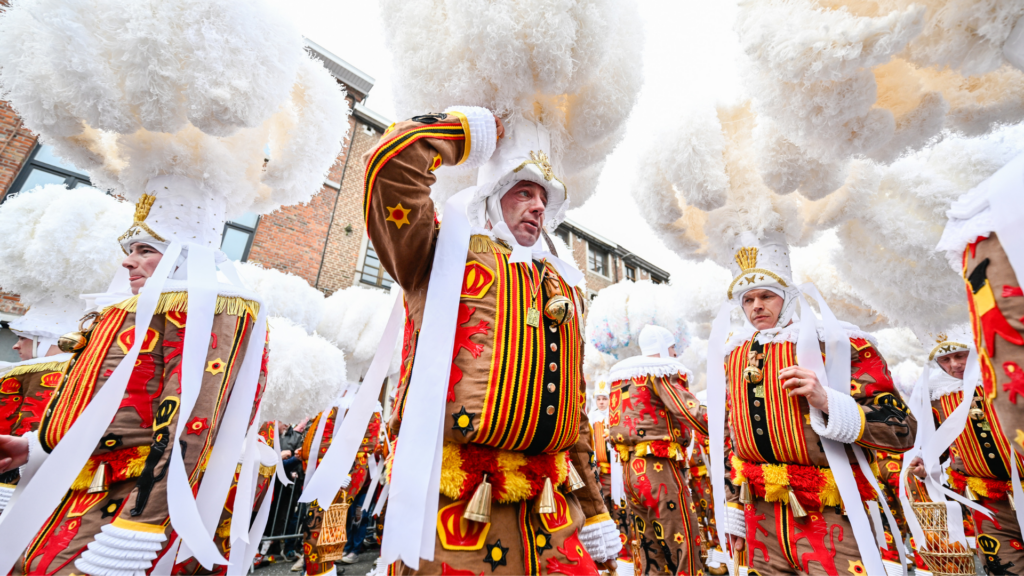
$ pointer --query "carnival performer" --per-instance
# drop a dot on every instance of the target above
(652, 420)
(518, 494)
(605, 458)
(979, 457)
(785, 514)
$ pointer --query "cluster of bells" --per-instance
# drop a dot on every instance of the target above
(747, 497)
(479, 507)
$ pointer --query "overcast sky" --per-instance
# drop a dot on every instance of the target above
(689, 60)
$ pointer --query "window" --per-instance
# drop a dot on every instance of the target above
(597, 260)
(238, 235)
(373, 273)
(564, 235)
(655, 280)
(44, 167)
(631, 273)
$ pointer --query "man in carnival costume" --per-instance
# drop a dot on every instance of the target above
(652, 420)
(605, 458)
(785, 513)
(980, 454)
(517, 491)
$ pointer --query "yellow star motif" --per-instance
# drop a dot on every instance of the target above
(751, 279)
(856, 567)
(215, 366)
(398, 214)
(678, 538)
(1020, 438)
(658, 467)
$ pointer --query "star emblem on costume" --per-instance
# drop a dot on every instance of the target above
(463, 421)
(398, 214)
(496, 555)
(196, 426)
(658, 467)
(641, 433)
(678, 538)
(855, 387)
(111, 507)
(215, 366)
(857, 567)
(751, 279)
(1020, 438)
(670, 505)
(542, 542)
(111, 441)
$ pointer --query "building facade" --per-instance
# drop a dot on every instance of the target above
(604, 261)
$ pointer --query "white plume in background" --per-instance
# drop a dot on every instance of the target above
(197, 88)
(898, 345)
(304, 373)
(695, 357)
(284, 295)
(905, 375)
(596, 365)
(353, 320)
(60, 243)
(620, 311)
(814, 264)
(573, 66)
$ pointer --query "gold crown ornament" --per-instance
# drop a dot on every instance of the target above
(142, 208)
(747, 258)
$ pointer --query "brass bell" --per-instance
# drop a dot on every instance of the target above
(72, 342)
(970, 494)
(795, 506)
(546, 502)
(560, 309)
(99, 480)
(976, 414)
(575, 482)
(479, 507)
(745, 496)
(752, 374)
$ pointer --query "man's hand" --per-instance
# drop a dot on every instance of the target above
(13, 452)
(736, 543)
(500, 127)
(286, 454)
(803, 382)
(917, 467)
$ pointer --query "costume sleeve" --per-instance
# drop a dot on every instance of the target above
(681, 404)
(581, 454)
(397, 207)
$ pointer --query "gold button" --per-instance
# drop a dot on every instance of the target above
(757, 417)
(553, 328)
(760, 432)
(757, 403)
(984, 435)
(552, 366)
(991, 455)
(551, 386)
(988, 444)
(550, 410)
(554, 347)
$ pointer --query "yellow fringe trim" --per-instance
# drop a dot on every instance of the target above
(134, 469)
(178, 302)
(138, 526)
(595, 519)
(776, 483)
(40, 367)
(516, 486)
(480, 243)
(267, 471)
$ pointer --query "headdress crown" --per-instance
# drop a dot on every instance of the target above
(540, 159)
(143, 206)
(746, 258)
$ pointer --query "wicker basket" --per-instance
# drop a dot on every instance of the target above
(944, 558)
(332, 531)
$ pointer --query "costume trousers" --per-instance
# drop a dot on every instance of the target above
(619, 514)
(517, 540)
(997, 319)
(821, 543)
(666, 537)
(999, 541)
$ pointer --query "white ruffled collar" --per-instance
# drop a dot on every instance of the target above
(942, 384)
(647, 366)
(789, 333)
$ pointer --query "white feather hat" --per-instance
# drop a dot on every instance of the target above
(760, 263)
(938, 344)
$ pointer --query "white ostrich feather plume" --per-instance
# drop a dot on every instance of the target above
(197, 88)
(353, 320)
(619, 313)
(60, 243)
(304, 373)
(285, 295)
(573, 66)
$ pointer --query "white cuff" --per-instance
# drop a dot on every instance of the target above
(483, 134)
(346, 482)
(36, 457)
(120, 552)
(735, 522)
(601, 540)
(6, 491)
(844, 418)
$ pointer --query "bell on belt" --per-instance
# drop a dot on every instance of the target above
(479, 507)
(546, 502)
(745, 496)
(795, 506)
(575, 482)
(560, 309)
(752, 374)
(72, 342)
(976, 414)
(99, 479)
(970, 494)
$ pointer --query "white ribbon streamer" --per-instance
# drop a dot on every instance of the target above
(862, 461)
(314, 448)
(349, 434)
(716, 420)
(382, 499)
(920, 407)
(279, 469)
(1006, 190)
(22, 519)
(618, 489)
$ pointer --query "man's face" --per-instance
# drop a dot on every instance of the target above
(602, 402)
(954, 364)
(141, 263)
(672, 351)
(24, 348)
(762, 308)
(523, 207)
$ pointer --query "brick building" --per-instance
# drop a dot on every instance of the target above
(604, 261)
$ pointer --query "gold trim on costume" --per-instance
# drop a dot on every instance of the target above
(749, 275)
(178, 302)
(465, 127)
(30, 368)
